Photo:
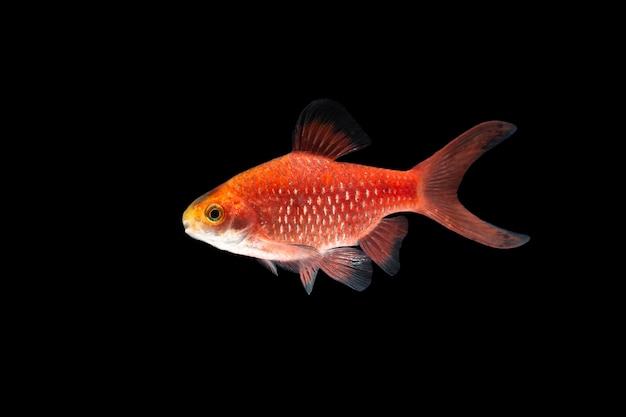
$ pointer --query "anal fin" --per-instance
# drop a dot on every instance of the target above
(383, 243)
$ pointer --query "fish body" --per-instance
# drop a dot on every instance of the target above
(306, 211)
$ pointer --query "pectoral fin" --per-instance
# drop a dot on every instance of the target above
(269, 265)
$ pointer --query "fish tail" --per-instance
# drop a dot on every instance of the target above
(440, 177)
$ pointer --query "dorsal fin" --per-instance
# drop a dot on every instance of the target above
(326, 128)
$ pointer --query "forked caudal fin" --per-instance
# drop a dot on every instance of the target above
(441, 175)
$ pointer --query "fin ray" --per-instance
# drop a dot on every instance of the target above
(383, 243)
(307, 277)
(348, 265)
(269, 265)
(442, 174)
(326, 128)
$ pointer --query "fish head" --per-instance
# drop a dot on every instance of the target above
(219, 218)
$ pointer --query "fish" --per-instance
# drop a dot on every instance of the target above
(305, 211)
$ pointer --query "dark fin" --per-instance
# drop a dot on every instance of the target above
(269, 265)
(440, 177)
(383, 243)
(348, 265)
(326, 128)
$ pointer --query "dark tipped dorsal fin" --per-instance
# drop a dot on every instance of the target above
(326, 128)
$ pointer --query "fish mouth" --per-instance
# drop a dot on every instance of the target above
(189, 220)
(192, 230)
(195, 229)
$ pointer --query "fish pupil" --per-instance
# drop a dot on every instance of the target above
(214, 213)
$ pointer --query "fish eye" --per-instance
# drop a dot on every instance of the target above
(214, 213)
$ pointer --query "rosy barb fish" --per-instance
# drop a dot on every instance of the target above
(305, 211)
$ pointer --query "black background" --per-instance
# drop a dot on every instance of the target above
(205, 135)
(194, 124)
(165, 111)
(450, 294)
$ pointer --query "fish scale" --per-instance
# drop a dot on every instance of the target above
(333, 205)
(306, 212)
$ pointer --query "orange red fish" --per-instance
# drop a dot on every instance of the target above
(306, 211)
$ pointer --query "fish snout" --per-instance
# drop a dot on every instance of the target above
(188, 219)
